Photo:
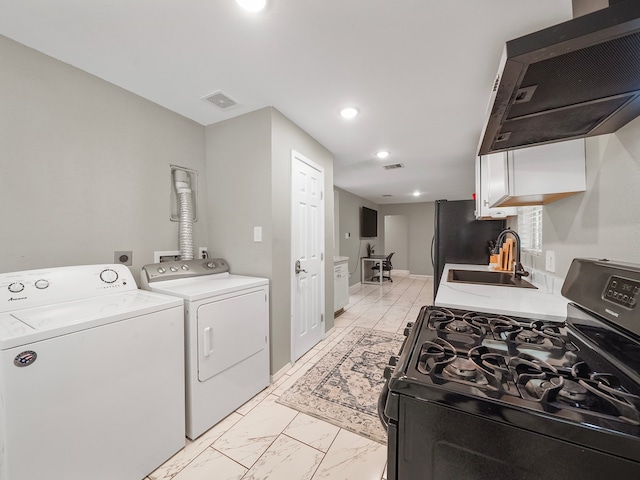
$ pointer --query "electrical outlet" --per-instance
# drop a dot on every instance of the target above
(550, 264)
(203, 252)
(123, 257)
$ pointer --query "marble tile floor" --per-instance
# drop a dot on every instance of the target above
(265, 440)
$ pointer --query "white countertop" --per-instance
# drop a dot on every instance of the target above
(340, 259)
(545, 303)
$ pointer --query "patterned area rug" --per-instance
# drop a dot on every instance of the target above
(343, 387)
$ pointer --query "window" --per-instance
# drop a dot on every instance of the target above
(530, 229)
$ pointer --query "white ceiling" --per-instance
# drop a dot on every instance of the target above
(419, 71)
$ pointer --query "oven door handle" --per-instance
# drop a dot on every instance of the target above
(382, 402)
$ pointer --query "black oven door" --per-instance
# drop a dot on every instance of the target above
(437, 442)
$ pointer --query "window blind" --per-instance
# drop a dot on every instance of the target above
(530, 229)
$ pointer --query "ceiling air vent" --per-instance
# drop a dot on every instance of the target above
(393, 166)
(220, 100)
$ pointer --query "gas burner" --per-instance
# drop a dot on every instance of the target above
(434, 354)
(494, 364)
(537, 387)
(572, 392)
(542, 335)
(462, 369)
(499, 325)
(530, 336)
(440, 315)
(458, 326)
(527, 367)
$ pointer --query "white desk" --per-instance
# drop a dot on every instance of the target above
(366, 272)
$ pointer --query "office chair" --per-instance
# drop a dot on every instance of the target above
(386, 267)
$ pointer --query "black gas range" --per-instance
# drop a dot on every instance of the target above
(484, 396)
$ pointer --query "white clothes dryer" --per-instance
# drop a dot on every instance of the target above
(226, 334)
(91, 375)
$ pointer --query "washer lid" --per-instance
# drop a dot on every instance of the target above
(40, 323)
(198, 288)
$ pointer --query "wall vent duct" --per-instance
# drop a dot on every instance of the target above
(220, 100)
(393, 166)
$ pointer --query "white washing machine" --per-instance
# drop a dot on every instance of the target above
(91, 375)
(226, 335)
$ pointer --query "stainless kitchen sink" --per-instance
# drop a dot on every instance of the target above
(479, 277)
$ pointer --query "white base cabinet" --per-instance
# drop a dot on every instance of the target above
(340, 283)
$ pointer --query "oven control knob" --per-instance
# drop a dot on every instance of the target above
(407, 330)
(388, 371)
(393, 360)
(16, 287)
(108, 275)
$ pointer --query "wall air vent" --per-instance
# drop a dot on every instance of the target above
(393, 166)
(220, 100)
(387, 195)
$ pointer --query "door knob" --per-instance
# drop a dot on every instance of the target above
(298, 268)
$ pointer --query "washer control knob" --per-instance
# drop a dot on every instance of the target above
(108, 275)
(16, 287)
(161, 270)
(42, 284)
(173, 269)
(185, 267)
(211, 265)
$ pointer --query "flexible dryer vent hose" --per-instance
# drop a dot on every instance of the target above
(185, 214)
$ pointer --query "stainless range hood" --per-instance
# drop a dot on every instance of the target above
(578, 79)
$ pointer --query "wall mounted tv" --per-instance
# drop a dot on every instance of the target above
(368, 223)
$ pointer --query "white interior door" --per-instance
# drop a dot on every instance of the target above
(307, 247)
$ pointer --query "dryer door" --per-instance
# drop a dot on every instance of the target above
(230, 330)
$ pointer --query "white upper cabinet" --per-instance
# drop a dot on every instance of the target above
(536, 175)
(483, 210)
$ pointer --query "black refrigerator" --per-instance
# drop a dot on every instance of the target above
(459, 238)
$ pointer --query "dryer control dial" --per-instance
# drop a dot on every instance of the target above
(42, 284)
(108, 275)
(16, 287)
(210, 265)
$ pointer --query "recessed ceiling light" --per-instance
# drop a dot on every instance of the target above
(252, 5)
(416, 193)
(349, 112)
(382, 154)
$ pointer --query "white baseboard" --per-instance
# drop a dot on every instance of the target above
(281, 372)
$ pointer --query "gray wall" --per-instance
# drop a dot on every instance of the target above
(238, 167)
(85, 167)
(249, 184)
(349, 222)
